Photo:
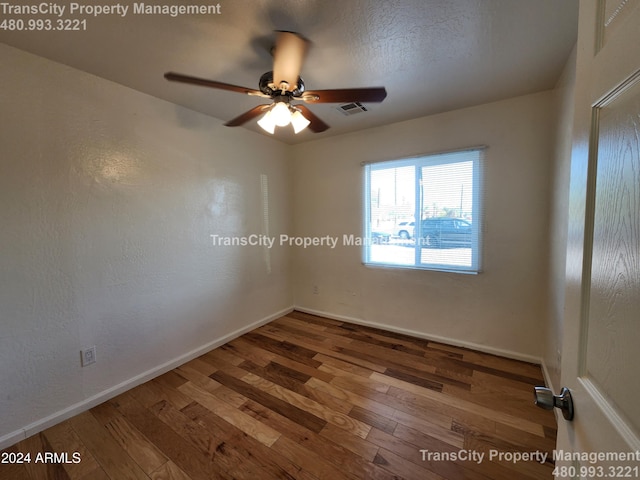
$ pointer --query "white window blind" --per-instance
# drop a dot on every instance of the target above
(425, 212)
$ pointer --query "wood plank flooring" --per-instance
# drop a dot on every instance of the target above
(306, 397)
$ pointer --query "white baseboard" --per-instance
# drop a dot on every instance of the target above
(11, 438)
(75, 409)
(436, 338)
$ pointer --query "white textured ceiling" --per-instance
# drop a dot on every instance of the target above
(431, 55)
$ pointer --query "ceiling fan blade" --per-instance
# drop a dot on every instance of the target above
(178, 77)
(288, 56)
(346, 95)
(246, 116)
(316, 125)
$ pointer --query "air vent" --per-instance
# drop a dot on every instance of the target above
(351, 108)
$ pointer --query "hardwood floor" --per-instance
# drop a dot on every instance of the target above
(306, 397)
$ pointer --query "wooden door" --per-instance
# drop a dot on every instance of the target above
(601, 344)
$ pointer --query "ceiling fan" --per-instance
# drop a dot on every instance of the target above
(284, 86)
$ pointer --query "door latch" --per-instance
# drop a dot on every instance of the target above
(544, 398)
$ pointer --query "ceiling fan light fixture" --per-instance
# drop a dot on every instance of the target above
(267, 123)
(282, 85)
(281, 114)
(299, 122)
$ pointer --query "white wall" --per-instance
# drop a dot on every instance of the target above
(503, 309)
(559, 217)
(108, 198)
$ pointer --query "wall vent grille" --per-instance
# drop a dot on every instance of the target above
(351, 108)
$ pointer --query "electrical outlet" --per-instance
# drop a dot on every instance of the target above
(88, 356)
(316, 290)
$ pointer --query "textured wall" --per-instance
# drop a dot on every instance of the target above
(504, 307)
(108, 198)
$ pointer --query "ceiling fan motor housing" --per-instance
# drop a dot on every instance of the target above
(267, 86)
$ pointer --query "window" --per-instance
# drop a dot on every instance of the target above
(425, 212)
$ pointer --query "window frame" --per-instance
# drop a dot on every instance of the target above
(476, 155)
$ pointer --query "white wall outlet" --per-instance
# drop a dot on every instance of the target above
(88, 356)
(316, 290)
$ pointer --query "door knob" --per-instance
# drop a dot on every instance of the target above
(544, 398)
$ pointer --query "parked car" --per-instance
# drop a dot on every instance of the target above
(446, 232)
(405, 230)
(379, 237)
